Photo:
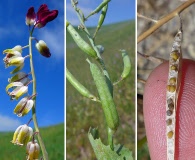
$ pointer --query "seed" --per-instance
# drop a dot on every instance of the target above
(170, 134)
(171, 106)
(175, 55)
(174, 67)
(171, 88)
(169, 112)
(172, 80)
(169, 101)
(169, 122)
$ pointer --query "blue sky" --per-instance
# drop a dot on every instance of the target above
(49, 71)
(119, 10)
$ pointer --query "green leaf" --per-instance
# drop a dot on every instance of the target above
(124, 153)
(104, 152)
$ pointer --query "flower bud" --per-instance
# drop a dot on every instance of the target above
(16, 51)
(15, 61)
(18, 92)
(32, 150)
(13, 58)
(22, 135)
(17, 48)
(43, 49)
(23, 107)
(17, 77)
(30, 16)
(19, 89)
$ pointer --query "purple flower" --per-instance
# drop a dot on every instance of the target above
(44, 15)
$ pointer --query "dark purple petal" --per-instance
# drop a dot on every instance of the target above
(30, 16)
(42, 8)
(31, 13)
(44, 16)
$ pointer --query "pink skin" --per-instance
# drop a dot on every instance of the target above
(155, 113)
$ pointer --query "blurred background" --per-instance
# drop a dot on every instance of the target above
(118, 32)
(159, 44)
(49, 75)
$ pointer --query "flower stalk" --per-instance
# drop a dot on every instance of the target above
(44, 152)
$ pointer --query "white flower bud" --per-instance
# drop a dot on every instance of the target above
(22, 135)
(23, 107)
(32, 150)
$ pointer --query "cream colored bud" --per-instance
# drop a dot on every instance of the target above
(16, 61)
(19, 89)
(22, 135)
(17, 48)
(23, 107)
(32, 150)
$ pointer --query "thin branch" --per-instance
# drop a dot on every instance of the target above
(151, 58)
(141, 81)
(147, 18)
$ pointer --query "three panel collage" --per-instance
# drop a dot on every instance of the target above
(97, 80)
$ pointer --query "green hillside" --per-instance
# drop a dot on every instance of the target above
(83, 113)
(53, 138)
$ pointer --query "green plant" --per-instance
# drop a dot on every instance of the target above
(103, 84)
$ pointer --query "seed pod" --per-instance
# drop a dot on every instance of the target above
(104, 3)
(101, 19)
(79, 87)
(84, 46)
(108, 105)
(127, 64)
(173, 89)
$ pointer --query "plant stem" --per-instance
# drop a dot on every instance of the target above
(110, 138)
(164, 20)
(44, 152)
